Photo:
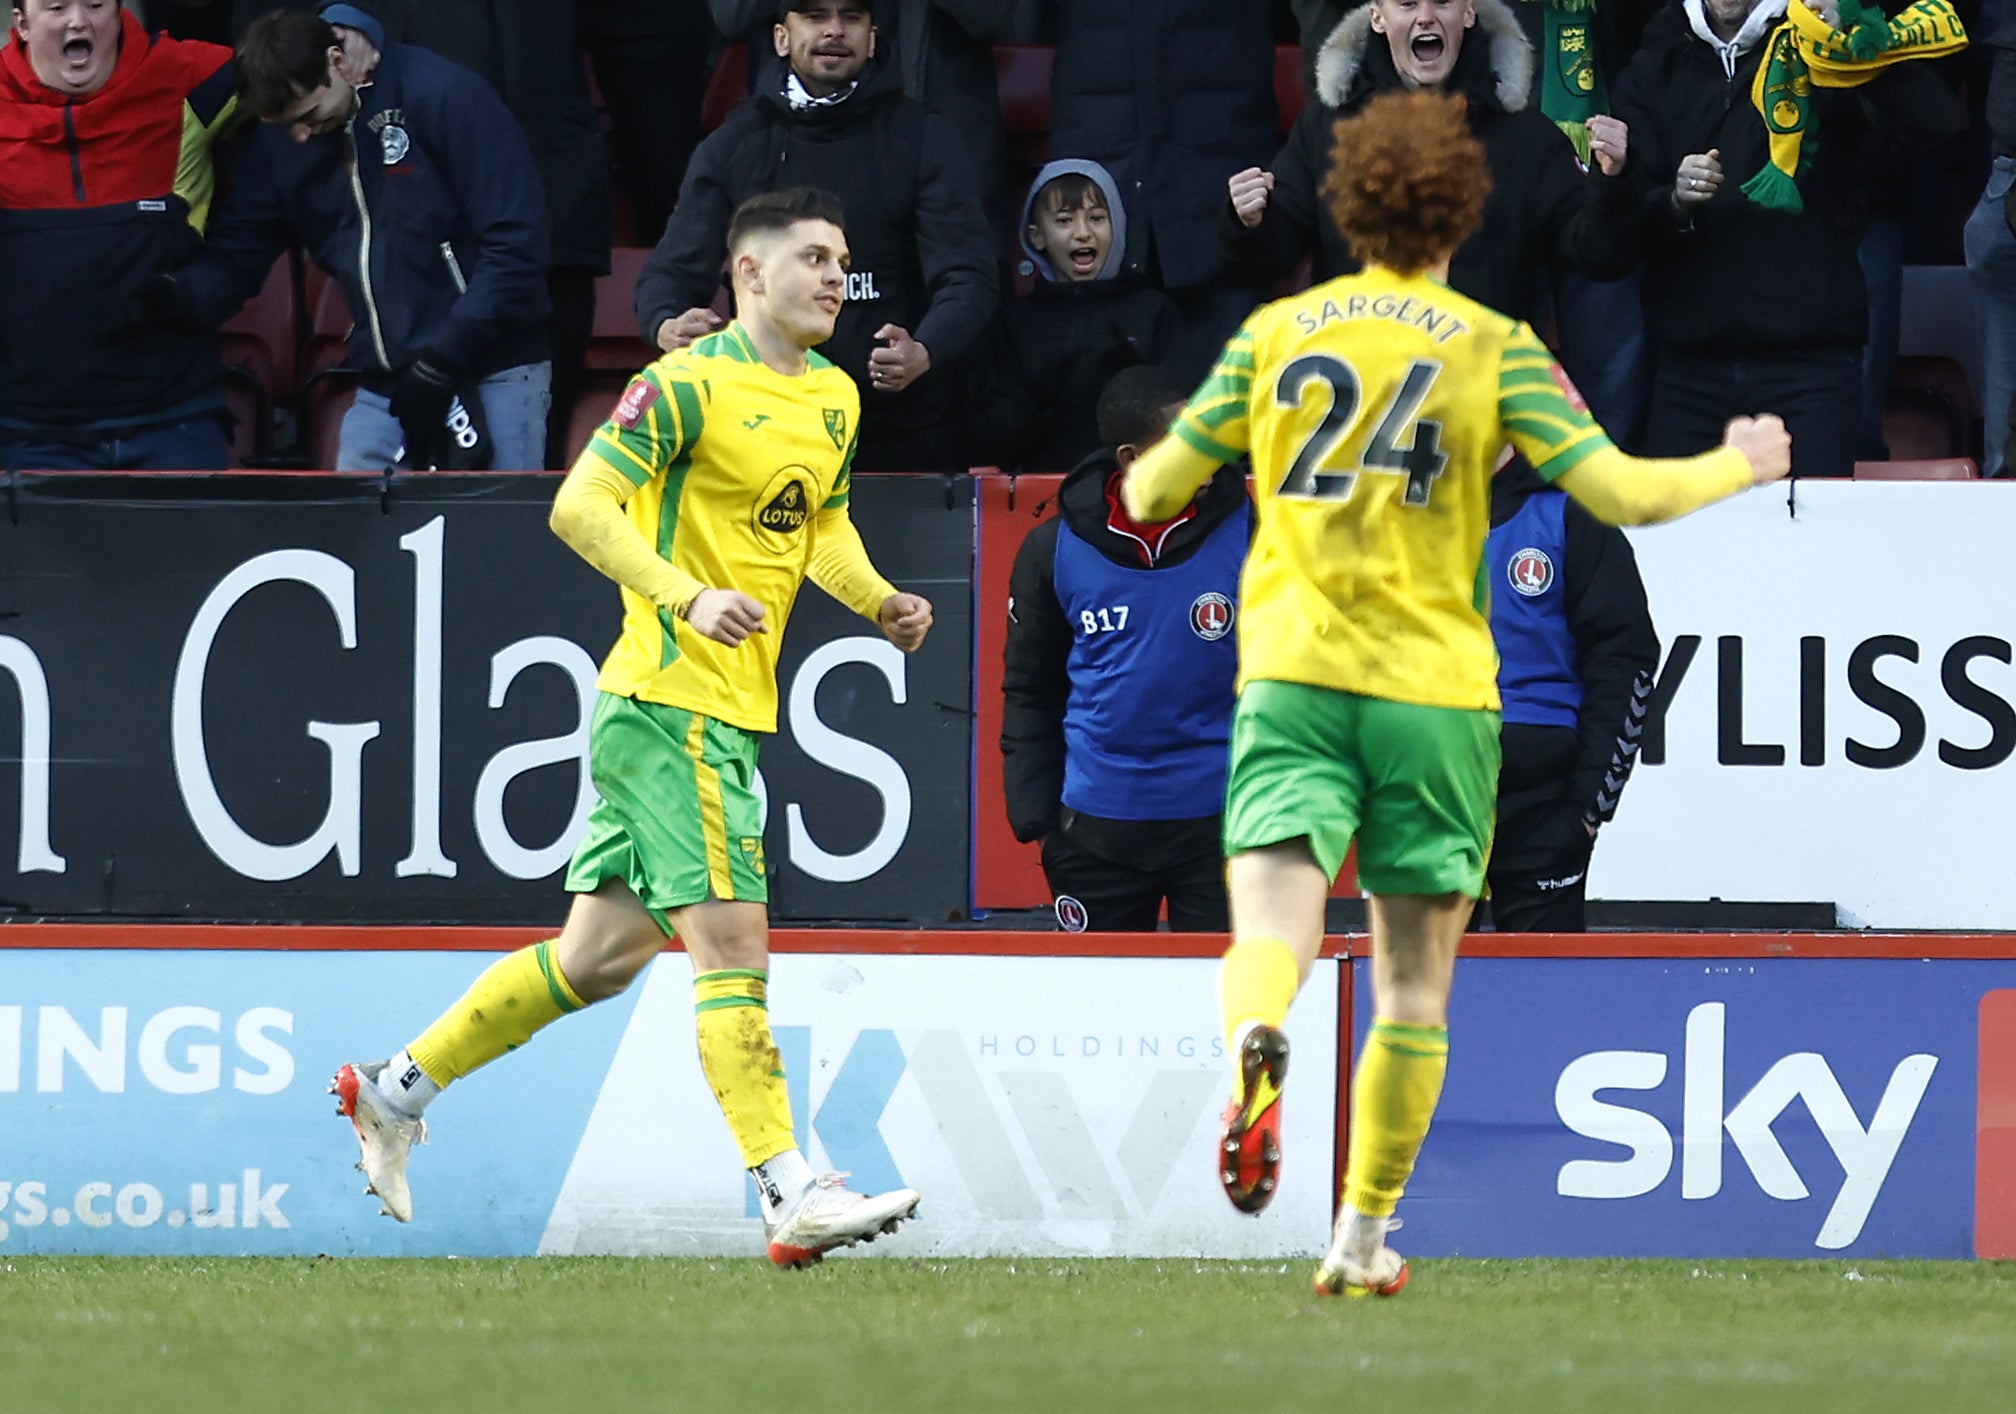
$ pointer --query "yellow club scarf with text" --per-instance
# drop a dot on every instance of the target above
(1804, 53)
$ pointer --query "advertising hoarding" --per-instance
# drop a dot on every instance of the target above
(320, 699)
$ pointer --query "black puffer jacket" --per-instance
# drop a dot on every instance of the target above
(944, 51)
(1737, 277)
(1171, 97)
(922, 257)
(1543, 210)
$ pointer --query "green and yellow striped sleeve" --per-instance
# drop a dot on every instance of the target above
(654, 425)
(1214, 423)
(843, 484)
(1555, 434)
(1212, 430)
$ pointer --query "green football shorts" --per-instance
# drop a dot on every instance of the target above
(678, 820)
(1418, 786)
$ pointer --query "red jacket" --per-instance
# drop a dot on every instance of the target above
(96, 195)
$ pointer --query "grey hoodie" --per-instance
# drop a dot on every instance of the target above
(1116, 211)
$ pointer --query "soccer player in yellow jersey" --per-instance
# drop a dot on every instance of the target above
(719, 484)
(1374, 408)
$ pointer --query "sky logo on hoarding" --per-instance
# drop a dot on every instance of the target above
(1865, 1152)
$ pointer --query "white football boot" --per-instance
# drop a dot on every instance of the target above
(1341, 1274)
(384, 1136)
(827, 1215)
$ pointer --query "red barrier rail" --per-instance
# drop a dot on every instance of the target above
(945, 942)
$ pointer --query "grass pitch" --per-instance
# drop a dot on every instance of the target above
(609, 1335)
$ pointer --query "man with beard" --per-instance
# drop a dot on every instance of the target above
(922, 286)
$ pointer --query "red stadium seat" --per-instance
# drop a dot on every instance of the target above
(727, 86)
(1928, 412)
(328, 388)
(1023, 73)
(259, 339)
(1288, 94)
(592, 406)
(1936, 469)
(614, 345)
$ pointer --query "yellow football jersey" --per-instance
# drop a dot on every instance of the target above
(737, 466)
(1374, 408)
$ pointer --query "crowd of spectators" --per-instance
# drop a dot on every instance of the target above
(452, 170)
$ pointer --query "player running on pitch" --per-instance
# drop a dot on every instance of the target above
(1374, 408)
(719, 484)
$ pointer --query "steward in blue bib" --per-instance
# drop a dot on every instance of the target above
(1118, 684)
(1576, 657)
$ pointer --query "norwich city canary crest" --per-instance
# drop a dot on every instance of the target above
(836, 426)
(1577, 63)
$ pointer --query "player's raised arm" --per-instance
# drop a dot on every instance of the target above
(1211, 431)
(1544, 417)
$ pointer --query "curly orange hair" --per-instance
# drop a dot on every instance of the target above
(1407, 179)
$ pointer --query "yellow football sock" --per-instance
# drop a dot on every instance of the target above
(732, 1016)
(1393, 1098)
(514, 997)
(1257, 982)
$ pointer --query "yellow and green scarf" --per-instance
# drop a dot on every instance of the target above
(1571, 86)
(1803, 53)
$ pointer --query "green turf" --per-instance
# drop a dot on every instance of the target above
(610, 1335)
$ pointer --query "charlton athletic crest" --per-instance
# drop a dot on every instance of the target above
(1531, 572)
(1211, 617)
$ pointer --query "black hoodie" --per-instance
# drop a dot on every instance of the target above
(1034, 677)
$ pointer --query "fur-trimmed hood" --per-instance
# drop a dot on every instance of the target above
(1341, 61)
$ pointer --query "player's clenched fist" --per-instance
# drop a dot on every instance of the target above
(1765, 441)
(1250, 190)
(725, 615)
(905, 619)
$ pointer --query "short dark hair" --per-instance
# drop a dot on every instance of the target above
(284, 55)
(1069, 192)
(785, 7)
(1134, 405)
(780, 210)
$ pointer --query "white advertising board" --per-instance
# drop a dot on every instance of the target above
(1043, 1106)
(1836, 685)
